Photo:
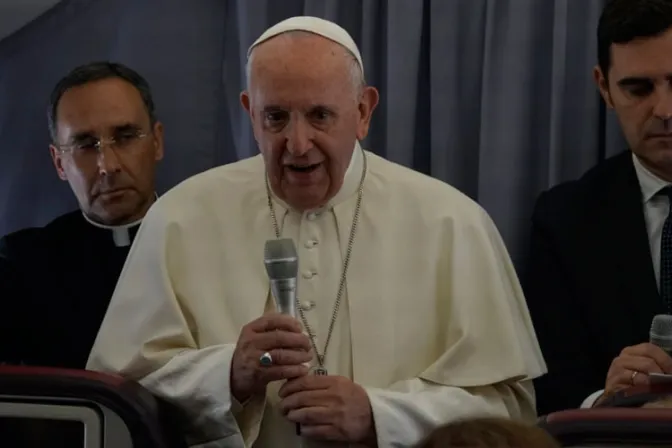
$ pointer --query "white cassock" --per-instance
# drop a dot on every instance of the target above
(433, 323)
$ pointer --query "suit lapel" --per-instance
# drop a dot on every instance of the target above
(626, 244)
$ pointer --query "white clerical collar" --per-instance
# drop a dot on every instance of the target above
(649, 183)
(120, 234)
(351, 180)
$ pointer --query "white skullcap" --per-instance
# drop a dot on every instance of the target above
(313, 25)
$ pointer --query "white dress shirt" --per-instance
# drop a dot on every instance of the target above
(655, 208)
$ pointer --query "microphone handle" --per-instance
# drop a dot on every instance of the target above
(284, 291)
(664, 343)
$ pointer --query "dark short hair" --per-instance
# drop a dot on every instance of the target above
(97, 71)
(623, 21)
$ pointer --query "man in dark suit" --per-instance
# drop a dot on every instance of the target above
(56, 281)
(600, 265)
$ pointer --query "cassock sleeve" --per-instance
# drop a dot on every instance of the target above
(18, 310)
(154, 344)
(405, 413)
(491, 357)
(7, 302)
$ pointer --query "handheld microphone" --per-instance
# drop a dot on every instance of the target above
(282, 267)
(661, 332)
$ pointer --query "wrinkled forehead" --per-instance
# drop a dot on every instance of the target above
(302, 71)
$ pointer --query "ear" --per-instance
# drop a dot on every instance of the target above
(246, 103)
(57, 158)
(603, 85)
(367, 104)
(158, 141)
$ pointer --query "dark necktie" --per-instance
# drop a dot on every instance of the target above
(666, 254)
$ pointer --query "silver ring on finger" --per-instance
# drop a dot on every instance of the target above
(632, 377)
(266, 360)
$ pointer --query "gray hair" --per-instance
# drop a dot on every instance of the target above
(356, 74)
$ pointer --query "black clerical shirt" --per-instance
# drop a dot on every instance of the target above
(55, 286)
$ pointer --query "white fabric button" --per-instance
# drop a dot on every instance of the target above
(310, 244)
(308, 274)
(312, 216)
(307, 305)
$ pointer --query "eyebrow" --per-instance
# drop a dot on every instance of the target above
(124, 127)
(631, 81)
(273, 107)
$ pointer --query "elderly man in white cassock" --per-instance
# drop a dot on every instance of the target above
(409, 306)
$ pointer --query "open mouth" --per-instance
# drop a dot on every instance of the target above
(304, 168)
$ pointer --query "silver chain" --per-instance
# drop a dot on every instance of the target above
(346, 263)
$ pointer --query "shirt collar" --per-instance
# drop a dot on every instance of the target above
(351, 180)
(649, 183)
(106, 227)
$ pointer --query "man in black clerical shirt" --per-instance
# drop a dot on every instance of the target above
(56, 281)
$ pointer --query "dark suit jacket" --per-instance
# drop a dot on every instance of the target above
(590, 283)
(55, 286)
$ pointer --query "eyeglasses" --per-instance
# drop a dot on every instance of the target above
(92, 146)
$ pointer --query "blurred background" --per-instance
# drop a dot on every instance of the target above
(495, 97)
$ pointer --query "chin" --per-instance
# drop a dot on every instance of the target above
(118, 214)
(657, 151)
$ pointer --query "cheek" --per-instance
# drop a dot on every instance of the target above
(78, 173)
(336, 168)
(633, 120)
(338, 154)
(80, 178)
(272, 151)
(140, 167)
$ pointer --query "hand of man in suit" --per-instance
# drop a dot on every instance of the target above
(633, 366)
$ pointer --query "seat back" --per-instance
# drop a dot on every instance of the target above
(610, 427)
(618, 422)
(638, 396)
(81, 408)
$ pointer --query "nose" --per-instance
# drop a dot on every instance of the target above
(108, 161)
(299, 137)
(663, 106)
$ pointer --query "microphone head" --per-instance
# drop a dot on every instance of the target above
(281, 259)
(661, 332)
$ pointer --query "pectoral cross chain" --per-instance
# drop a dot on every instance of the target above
(320, 370)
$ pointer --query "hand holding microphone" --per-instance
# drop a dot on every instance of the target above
(273, 347)
(634, 364)
(329, 408)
